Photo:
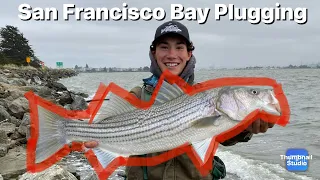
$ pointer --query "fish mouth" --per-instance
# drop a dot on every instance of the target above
(273, 109)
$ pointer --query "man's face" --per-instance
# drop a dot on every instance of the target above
(171, 53)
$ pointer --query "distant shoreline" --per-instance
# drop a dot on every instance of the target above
(88, 69)
(109, 72)
(247, 68)
(285, 67)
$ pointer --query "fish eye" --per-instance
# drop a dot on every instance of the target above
(254, 92)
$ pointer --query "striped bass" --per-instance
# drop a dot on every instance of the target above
(174, 119)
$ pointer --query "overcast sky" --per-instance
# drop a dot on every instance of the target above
(122, 43)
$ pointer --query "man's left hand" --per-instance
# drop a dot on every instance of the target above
(259, 126)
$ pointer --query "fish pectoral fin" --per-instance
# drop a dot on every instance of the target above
(201, 148)
(104, 156)
(167, 93)
(206, 122)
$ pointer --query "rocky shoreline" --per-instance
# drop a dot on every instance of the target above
(14, 116)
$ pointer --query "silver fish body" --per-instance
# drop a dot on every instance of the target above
(174, 119)
(157, 129)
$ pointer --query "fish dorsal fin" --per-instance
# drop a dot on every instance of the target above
(201, 148)
(167, 93)
(113, 106)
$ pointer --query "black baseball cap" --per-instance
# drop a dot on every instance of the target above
(172, 27)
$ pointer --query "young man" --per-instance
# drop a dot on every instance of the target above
(172, 49)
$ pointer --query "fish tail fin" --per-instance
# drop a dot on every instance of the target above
(52, 136)
(47, 143)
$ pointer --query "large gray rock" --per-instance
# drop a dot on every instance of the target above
(18, 81)
(6, 130)
(16, 75)
(7, 127)
(30, 88)
(55, 172)
(45, 92)
(4, 115)
(3, 149)
(3, 137)
(14, 163)
(9, 75)
(64, 98)
(37, 80)
(4, 79)
(15, 121)
(4, 102)
(18, 107)
(4, 143)
(6, 71)
(16, 93)
(56, 86)
(4, 92)
(79, 103)
(25, 125)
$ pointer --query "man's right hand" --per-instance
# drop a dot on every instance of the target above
(91, 144)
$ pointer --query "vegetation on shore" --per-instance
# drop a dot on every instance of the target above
(15, 48)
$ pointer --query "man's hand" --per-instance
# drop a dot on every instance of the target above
(259, 126)
(91, 144)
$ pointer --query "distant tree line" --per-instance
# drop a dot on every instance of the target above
(15, 48)
(300, 66)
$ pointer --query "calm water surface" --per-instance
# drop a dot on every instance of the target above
(260, 157)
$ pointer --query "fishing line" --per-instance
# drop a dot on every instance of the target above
(97, 100)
